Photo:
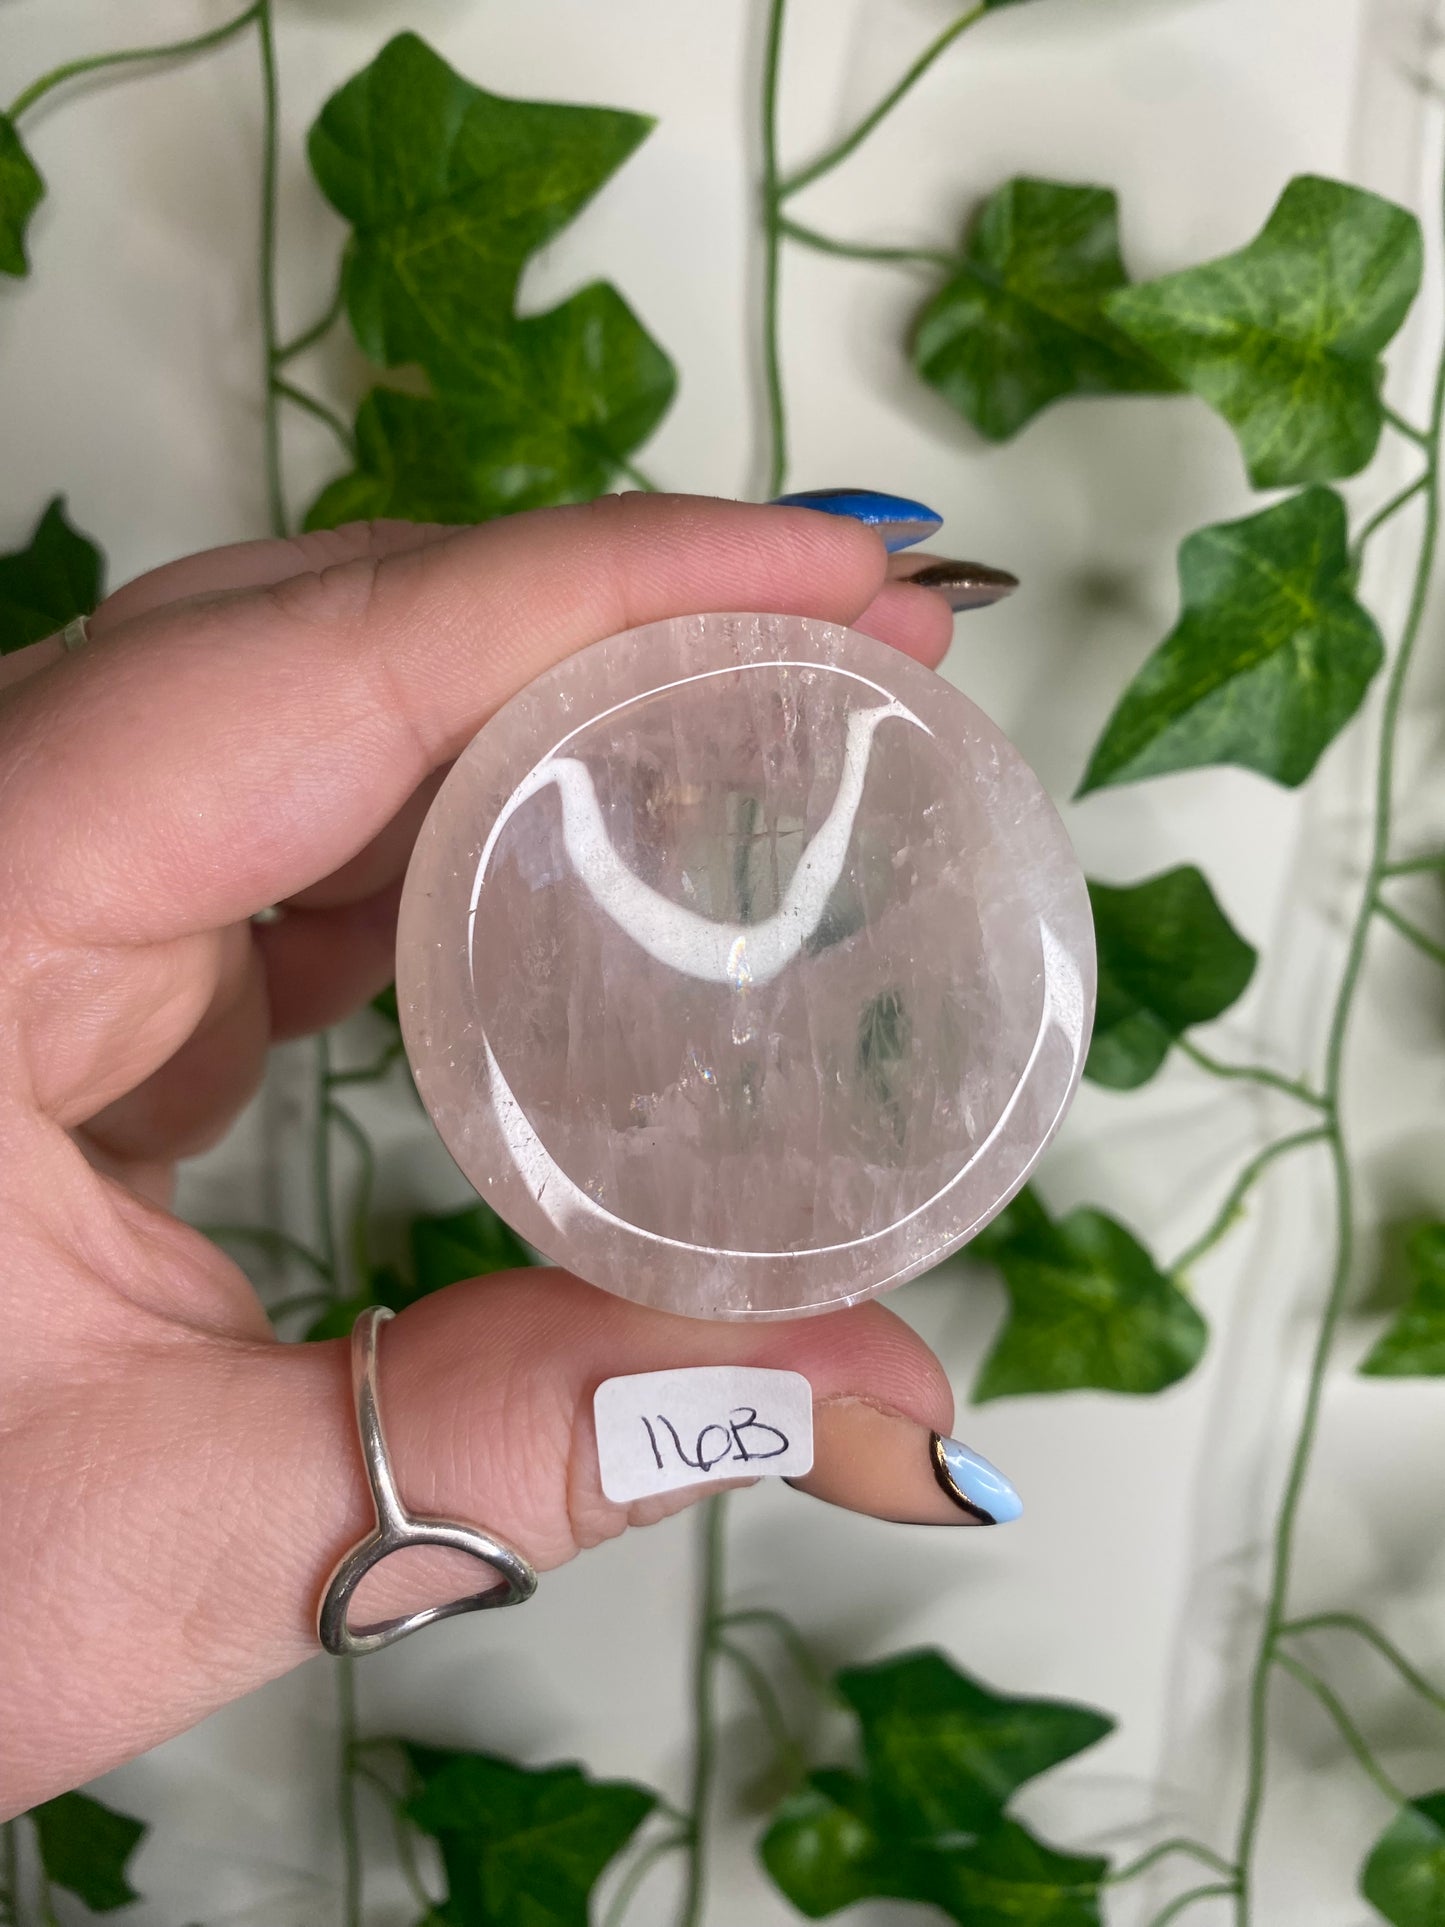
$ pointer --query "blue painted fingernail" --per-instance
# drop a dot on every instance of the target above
(973, 1484)
(900, 522)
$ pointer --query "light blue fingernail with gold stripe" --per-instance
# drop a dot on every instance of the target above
(898, 520)
(973, 1484)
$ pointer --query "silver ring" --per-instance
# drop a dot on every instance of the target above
(76, 634)
(396, 1527)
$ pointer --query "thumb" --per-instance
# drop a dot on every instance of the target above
(232, 1482)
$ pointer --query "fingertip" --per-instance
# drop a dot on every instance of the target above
(916, 621)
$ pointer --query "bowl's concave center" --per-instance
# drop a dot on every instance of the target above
(736, 961)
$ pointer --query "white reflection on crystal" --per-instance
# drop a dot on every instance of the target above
(562, 1200)
(739, 954)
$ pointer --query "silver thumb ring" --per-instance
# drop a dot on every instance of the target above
(396, 1527)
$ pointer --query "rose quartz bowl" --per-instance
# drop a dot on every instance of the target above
(744, 966)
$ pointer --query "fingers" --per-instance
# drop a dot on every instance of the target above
(220, 572)
(231, 1483)
(256, 565)
(271, 729)
(916, 621)
(320, 965)
(185, 1107)
(285, 726)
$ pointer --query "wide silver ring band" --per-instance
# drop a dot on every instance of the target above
(396, 1527)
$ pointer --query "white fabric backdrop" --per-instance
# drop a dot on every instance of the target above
(129, 370)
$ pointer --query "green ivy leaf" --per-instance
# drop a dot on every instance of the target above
(463, 1244)
(1010, 1876)
(1414, 1346)
(522, 1846)
(1284, 337)
(449, 189)
(825, 1852)
(553, 405)
(1404, 1877)
(21, 192)
(84, 1847)
(46, 584)
(1269, 660)
(943, 1752)
(386, 1287)
(925, 1822)
(444, 1250)
(1020, 323)
(1168, 958)
(1089, 1308)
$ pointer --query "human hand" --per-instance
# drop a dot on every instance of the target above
(268, 724)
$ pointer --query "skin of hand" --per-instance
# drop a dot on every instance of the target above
(264, 724)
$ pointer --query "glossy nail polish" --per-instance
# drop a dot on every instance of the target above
(963, 585)
(882, 1463)
(973, 1484)
(899, 521)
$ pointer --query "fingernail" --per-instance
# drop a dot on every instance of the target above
(963, 585)
(974, 1485)
(900, 522)
(876, 1461)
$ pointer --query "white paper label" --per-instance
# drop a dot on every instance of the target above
(658, 1431)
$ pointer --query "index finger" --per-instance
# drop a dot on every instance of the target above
(211, 757)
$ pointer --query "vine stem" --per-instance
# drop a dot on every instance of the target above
(793, 1642)
(270, 337)
(1412, 933)
(127, 56)
(1422, 437)
(790, 1754)
(850, 142)
(1386, 1648)
(405, 1851)
(1287, 1517)
(1348, 1731)
(347, 1802)
(1168, 1850)
(1385, 514)
(773, 251)
(365, 1184)
(809, 237)
(1183, 1902)
(308, 338)
(321, 1160)
(638, 477)
(311, 405)
(704, 1759)
(776, 189)
(1239, 1191)
(373, 1072)
(632, 1880)
(1252, 1074)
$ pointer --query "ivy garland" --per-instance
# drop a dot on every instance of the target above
(448, 190)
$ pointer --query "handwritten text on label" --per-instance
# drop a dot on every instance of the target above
(660, 1431)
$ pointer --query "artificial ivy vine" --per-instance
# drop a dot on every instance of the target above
(448, 189)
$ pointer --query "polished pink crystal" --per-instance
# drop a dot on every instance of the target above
(744, 966)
